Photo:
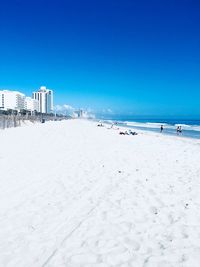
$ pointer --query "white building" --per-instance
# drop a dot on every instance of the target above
(31, 104)
(79, 113)
(45, 98)
(12, 100)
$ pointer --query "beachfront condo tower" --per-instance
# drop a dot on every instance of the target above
(45, 98)
(31, 104)
(12, 100)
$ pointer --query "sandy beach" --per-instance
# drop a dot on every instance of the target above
(77, 195)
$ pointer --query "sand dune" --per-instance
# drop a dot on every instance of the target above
(77, 195)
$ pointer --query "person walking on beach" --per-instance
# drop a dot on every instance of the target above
(161, 128)
(178, 130)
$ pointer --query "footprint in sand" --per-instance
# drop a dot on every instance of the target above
(154, 210)
(96, 265)
(152, 262)
(104, 215)
(118, 257)
(152, 192)
(164, 264)
(131, 244)
(184, 258)
(104, 245)
(84, 259)
(126, 226)
(139, 182)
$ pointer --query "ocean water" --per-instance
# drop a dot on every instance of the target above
(190, 128)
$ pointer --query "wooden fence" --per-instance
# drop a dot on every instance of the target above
(16, 120)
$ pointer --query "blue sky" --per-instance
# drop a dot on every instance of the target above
(132, 57)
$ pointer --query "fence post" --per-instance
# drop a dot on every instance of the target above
(14, 121)
(4, 122)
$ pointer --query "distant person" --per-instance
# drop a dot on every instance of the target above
(178, 130)
(161, 128)
(132, 133)
(100, 124)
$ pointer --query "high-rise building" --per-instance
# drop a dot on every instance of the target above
(45, 98)
(12, 100)
(31, 104)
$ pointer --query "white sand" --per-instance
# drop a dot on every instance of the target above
(77, 195)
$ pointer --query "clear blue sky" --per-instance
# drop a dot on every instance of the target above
(140, 57)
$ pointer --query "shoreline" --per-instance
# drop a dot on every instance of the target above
(152, 133)
(168, 132)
